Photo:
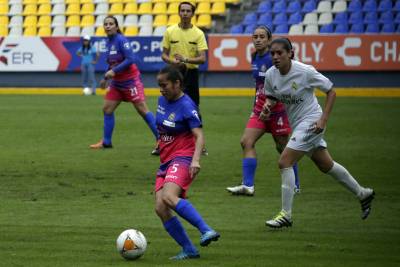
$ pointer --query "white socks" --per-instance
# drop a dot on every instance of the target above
(344, 177)
(288, 185)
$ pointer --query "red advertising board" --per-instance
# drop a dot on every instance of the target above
(326, 53)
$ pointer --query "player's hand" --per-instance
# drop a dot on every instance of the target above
(319, 126)
(109, 74)
(265, 112)
(103, 84)
(194, 169)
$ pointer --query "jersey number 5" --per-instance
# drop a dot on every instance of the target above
(174, 168)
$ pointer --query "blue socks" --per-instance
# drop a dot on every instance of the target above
(249, 166)
(109, 122)
(151, 122)
(190, 214)
(296, 175)
(175, 229)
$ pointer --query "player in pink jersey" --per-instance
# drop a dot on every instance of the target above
(181, 141)
(277, 125)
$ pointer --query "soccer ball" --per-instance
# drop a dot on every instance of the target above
(87, 91)
(131, 244)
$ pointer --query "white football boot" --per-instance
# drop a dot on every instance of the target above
(280, 220)
(241, 190)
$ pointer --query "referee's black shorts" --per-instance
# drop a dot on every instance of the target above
(191, 83)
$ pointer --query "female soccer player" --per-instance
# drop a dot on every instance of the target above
(125, 83)
(277, 125)
(181, 141)
(293, 83)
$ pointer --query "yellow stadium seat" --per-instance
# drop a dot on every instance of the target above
(30, 9)
(173, 19)
(72, 1)
(203, 8)
(3, 2)
(4, 21)
(116, 9)
(100, 31)
(30, 21)
(173, 8)
(3, 9)
(235, 2)
(73, 20)
(160, 8)
(145, 8)
(115, 1)
(159, 1)
(218, 8)
(44, 31)
(131, 31)
(30, 31)
(204, 21)
(73, 9)
(3, 30)
(28, 2)
(87, 9)
(130, 8)
(44, 21)
(43, 2)
(160, 20)
(86, 2)
(87, 20)
(44, 9)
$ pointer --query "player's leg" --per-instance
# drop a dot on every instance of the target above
(280, 144)
(174, 227)
(287, 159)
(249, 162)
(326, 164)
(147, 115)
(108, 125)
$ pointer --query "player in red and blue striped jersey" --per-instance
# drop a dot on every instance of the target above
(181, 142)
(124, 83)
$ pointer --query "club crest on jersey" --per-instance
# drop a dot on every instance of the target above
(171, 116)
(263, 68)
(126, 45)
(294, 86)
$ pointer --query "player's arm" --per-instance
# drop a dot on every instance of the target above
(270, 102)
(329, 102)
(129, 58)
(199, 144)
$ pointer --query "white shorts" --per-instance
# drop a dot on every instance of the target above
(304, 139)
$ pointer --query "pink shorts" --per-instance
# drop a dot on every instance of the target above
(278, 124)
(135, 94)
(175, 171)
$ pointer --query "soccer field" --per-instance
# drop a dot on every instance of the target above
(62, 204)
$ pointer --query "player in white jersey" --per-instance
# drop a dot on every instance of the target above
(293, 83)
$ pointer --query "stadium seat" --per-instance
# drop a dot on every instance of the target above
(58, 20)
(44, 21)
(249, 29)
(146, 31)
(53, 2)
(159, 31)
(341, 18)
(173, 8)
(204, 21)
(388, 28)
(120, 19)
(87, 9)
(159, 8)
(131, 31)
(4, 21)
(28, 2)
(87, 20)
(236, 29)
(370, 5)
(15, 31)
(295, 18)
(73, 21)
(88, 30)
(264, 7)
(15, 9)
(339, 6)
(309, 6)
(173, 19)
(145, 8)
(160, 20)
(100, 31)
(58, 9)
(82, 2)
(30, 9)
(281, 29)
(30, 31)
(73, 9)
(145, 20)
(296, 29)
(385, 5)
(396, 6)
(398, 28)
(355, 5)
(325, 18)
(100, 20)
(265, 19)
(58, 31)
(310, 18)
(44, 31)
(30, 21)
(311, 29)
(372, 28)
(324, 6)
(73, 31)
(280, 18)
(279, 7)
(341, 28)
(218, 8)
(371, 17)
(293, 7)
(386, 17)
(356, 17)
(131, 20)
(3, 30)
(16, 21)
(44, 9)
(397, 18)
(101, 9)
(250, 18)
(328, 28)
(357, 28)
(116, 9)
(130, 8)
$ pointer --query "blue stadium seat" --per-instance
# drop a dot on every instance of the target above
(250, 28)
(385, 5)
(388, 28)
(396, 6)
(370, 5)
(356, 17)
(398, 28)
(309, 6)
(236, 29)
(327, 28)
(342, 28)
(295, 18)
(355, 5)
(250, 18)
(264, 7)
(372, 28)
(279, 7)
(280, 18)
(357, 28)
(341, 18)
(371, 17)
(397, 18)
(293, 7)
(282, 28)
(265, 19)
(386, 17)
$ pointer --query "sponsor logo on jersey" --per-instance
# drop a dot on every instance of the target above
(169, 123)
(167, 138)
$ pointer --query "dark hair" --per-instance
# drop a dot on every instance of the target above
(86, 48)
(266, 29)
(174, 72)
(187, 3)
(287, 45)
(115, 21)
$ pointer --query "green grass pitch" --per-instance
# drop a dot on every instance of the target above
(62, 204)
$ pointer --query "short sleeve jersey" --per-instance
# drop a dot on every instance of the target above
(175, 121)
(187, 42)
(87, 55)
(259, 66)
(296, 91)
